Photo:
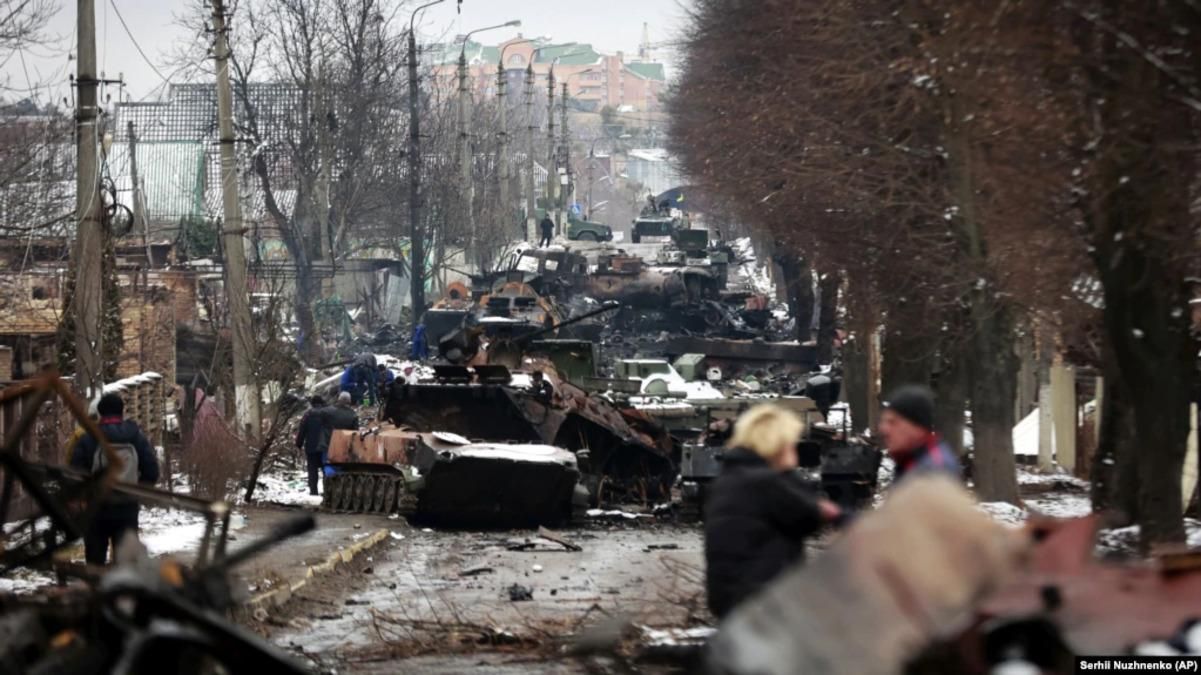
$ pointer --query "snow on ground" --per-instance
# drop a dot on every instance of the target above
(23, 580)
(749, 272)
(171, 531)
(286, 486)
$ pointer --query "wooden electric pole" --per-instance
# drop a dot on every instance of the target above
(502, 168)
(89, 225)
(465, 182)
(246, 391)
(531, 203)
(568, 197)
(552, 173)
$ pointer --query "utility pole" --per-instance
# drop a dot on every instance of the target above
(568, 190)
(502, 170)
(246, 391)
(552, 173)
(139, 212)
(89, 233)
(465, 190)
(416, 241)
(531, 204)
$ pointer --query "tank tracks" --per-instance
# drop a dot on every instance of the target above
(369, 492)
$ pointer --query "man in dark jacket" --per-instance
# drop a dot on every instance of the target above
(342, 415)
(312, 437)
(118, 514)
(758, 511)
(548, 231)
(907, 430)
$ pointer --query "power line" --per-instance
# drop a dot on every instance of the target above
(135, 42)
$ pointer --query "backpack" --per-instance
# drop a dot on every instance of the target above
(128, 473)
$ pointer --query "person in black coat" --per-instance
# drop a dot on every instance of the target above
(758, 511)
(548, 231)
(342, 415)
(312, 437)
(118, 514)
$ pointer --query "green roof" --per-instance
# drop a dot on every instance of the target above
(568, 53)
(490, 55)
(647, 71)
(172, 174)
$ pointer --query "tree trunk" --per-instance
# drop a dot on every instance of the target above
(994, 368)
(828, 315)
(308, 342)
(951, 386)
(855, 380)
(798, 287)
(1140, 220)
(1115, 469)
(908, 352)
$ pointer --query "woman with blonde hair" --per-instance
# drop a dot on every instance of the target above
(758, 512)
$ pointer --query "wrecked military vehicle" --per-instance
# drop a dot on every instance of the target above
(633, 283)
(622, 455)
(444, 479)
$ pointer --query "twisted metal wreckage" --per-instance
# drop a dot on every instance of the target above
(141, 615)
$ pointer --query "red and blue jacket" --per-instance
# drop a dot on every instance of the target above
(934, 455)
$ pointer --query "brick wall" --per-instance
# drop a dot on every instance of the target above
(148, 323)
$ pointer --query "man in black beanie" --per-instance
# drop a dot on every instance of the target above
(907, 429)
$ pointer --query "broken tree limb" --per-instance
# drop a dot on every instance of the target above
(558, 539)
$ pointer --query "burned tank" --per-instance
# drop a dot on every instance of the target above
(445, 479)
(633, 283)
(621, 454)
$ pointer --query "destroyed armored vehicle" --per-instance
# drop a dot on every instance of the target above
(621, 453)
(844, 470)
(443, 478)
(633, 283)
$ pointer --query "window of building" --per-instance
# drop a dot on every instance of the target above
(516, 60)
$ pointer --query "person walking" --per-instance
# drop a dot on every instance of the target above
(342, 415)
(907, 431)
(312, 438)
(548, 231)
(118, 514)
(758, 512)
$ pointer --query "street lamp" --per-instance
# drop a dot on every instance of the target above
(464, 146)
(416, 243)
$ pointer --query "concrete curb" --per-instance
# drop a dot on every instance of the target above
(257, 606)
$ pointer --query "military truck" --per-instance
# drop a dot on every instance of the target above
(586, 230)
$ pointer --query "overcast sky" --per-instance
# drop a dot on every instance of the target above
(610, 25)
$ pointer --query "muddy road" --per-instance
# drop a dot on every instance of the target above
(444, 601)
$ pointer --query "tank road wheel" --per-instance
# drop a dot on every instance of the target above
(381, 494)
(391, 485)
(361, 498)
(342, 495)
(329, 498)
(348, 492)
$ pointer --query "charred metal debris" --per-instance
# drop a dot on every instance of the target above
(647, 362)
(140, 615)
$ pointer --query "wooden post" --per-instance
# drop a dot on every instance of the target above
(87, 299)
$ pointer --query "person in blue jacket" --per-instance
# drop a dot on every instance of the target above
(118, 514)
(907, 430)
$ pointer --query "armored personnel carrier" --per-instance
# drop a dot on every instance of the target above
(445, 479)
